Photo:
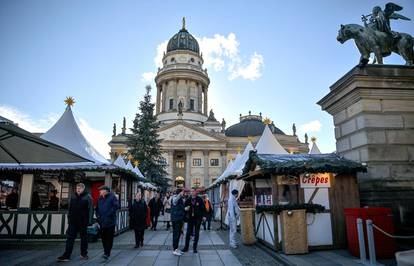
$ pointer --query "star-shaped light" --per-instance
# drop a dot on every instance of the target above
(136, 163)
(70, 101)
(313, 139)
(267, 121)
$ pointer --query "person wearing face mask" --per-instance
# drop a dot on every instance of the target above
(233, 214)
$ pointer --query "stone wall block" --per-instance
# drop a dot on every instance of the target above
(358, 139)
(408, 120)
(342, 145)
(348, 127)
(398, 106)
(400, 136)
(387, 153)
(402, 171)
(339, 117)
(379, 121)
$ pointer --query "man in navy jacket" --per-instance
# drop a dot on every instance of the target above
(106, 214)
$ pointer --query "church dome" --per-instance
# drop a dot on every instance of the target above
(250, 125)
(183, 40)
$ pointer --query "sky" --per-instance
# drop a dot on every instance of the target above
(261, 56)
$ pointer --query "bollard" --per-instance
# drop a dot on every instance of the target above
(361, 241)
(371, 243)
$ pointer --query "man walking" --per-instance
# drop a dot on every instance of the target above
(155, 206)
(79, 216)
(138, 219)
(209, 213)
(196, 213)
(106, 214)
(177, 218)
(233, 214)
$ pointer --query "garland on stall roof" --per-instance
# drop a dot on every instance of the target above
(309, 207)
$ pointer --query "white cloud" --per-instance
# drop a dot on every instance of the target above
(97, 138)
(148, 77)
(25, 121)
(312, 126)
(222, 53)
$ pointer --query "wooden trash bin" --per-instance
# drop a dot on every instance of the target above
(294, 232)
(246, 226)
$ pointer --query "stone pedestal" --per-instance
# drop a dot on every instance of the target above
(373, 114)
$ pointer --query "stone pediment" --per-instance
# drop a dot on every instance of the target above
(184, 132)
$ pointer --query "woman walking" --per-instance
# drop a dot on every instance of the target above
(138, 218)
(167, 209)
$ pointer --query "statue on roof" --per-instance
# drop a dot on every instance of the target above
(124, 126)
(180, 108)
(114, 130)
(211, 116)
(306, 138)
(223, 125)
(376, 36)
(294, 129)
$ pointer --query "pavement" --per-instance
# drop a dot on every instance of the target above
(213, 250)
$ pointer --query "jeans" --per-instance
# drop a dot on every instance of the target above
(192, 225)
(208, 222)
(139, 237)
(107, 235)
(154, 221)
(177, 227)
(232, 232)
(71, 234)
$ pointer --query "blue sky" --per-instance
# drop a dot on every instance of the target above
(284, 57)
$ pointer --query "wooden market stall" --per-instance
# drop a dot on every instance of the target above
(279, 183)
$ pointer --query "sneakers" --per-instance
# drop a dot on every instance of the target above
(84, 257)
(177, 252)
(63, 258)
(106, 257)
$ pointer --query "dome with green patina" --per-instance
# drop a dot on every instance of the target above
(183, 40)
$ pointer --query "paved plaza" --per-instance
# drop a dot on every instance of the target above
(213, 250)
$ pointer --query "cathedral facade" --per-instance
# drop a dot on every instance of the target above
(195, 145)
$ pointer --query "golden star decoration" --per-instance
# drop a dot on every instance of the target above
(313, 139)
(267, 121)
(239, 149)
(136, 163)
(70, 101)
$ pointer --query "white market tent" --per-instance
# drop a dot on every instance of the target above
(314, 149)
(268, 144)
(66, 133)
(120, 162)
(239, 163)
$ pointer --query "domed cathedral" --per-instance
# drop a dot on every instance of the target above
(196, 146)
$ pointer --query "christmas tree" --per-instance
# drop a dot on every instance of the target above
(144, 144)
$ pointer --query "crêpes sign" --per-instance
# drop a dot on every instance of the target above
(315, 180)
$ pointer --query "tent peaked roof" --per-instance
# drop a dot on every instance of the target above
(129, 165)
(120, 162)
(241, 161)
(66, 133)
(268, 144)
(314, 149)
(138, 172)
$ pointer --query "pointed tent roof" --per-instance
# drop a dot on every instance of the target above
(268, 144)
(66, 133)
(229, 166)
(120, 162)
(239, 163)
(314, 149)
(129, 166)
(138, 172)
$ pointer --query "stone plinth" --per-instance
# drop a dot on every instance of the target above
(373, 114)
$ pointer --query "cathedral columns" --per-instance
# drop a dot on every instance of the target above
(206, 169)
(158, 105)
(205, 101)
(223, 160)
(188, 168)
(171, 164)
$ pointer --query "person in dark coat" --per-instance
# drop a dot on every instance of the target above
(36, 204)
(209, 213)
(12, 199)
(79, 217)
(106, 213)
(156, 207)
(138, 218)
(177, 218)
(53, 201)
(196, 213)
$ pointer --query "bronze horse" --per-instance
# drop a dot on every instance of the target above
(380, 43)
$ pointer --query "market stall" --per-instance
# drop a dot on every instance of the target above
(279, 182)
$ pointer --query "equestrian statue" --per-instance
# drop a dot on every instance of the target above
(377, 37)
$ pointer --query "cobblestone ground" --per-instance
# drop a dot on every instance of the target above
(213, 250)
